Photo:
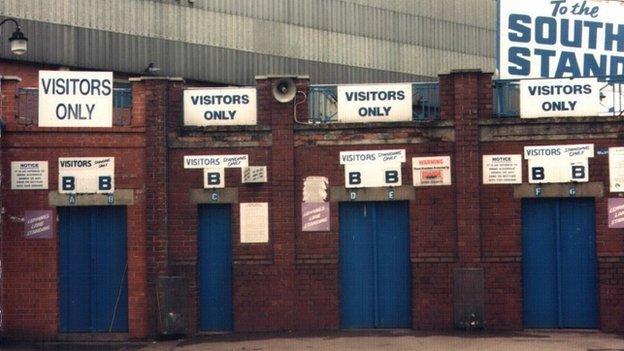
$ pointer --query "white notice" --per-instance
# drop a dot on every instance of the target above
(616, 169)
(29, 175)
(254, 222)
(502, 169)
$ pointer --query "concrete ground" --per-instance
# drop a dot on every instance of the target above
(367, 340)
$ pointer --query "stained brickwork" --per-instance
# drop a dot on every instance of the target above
(292, 282)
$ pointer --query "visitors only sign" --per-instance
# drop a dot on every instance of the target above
(75, 99)
(559, 97)
(560, 38)
(375, 103)
(220, 106)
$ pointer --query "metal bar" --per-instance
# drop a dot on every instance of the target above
(557, 249)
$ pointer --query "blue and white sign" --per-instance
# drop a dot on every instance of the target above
(367, 176)
(75, 99)
(372, 168)
(214, 177)
(220, 106)
(86, 175)
(372, 156)
(559, 97)
(559, 151)
(560, 38)
(215, 161)
(558, 163)
(375, 103)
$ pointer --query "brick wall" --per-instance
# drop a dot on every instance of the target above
(292, 282)
(30, 284)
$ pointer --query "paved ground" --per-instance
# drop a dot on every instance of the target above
(364, 341)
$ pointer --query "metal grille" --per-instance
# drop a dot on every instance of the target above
(27, 106)
(506, 98)
(27, 112)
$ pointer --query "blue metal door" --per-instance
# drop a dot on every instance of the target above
(93, 269)
(559, 263)
(375, 279)
(215, 268)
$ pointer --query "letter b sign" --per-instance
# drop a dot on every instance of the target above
(392, 177)
(537, 173)
(355, 178)
(68, 184)
(105, 183)
(214, 178)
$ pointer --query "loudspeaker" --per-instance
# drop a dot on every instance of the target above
(284, 90)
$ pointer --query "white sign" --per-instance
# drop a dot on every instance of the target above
(558, 163)
(560, 98)
(373, 156)
(565, 170)
(254, 222)
(220, 106)
(616, 169)
(502, 169)
(559, 151)
(214, 177)
(75, 99)
(372, 175)
(219, 161)
(375, 103)
(86, 175)
(29, 175)
(254, 174)
(427, 171)
(560, 38)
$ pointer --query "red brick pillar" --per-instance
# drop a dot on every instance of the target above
(282, 204)
(8, 90)
(153, 107)
(470, 98)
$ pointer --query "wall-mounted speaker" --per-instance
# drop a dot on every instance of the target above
(284, 90)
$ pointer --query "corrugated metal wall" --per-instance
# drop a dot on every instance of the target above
(232, 40)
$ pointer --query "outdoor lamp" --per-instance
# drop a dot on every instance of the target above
(19, 43)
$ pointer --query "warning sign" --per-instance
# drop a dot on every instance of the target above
(431, 171)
